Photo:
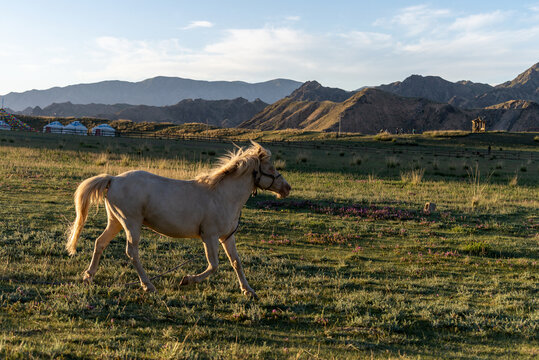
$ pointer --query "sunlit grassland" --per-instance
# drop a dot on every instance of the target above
(347, 267)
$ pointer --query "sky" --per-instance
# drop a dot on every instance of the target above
(345, 44)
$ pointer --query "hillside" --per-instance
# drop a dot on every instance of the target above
(158, 91)
(314, 91)
(368, 111)
(371, 110)
(513, 115)
(222, 113)
(435, 88)
(466, 94)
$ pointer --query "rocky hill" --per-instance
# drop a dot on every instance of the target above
(368, 111)
(222, 113)
(158, 91)
(466, 94)
(371, 110)
(435, 88)
(314, 91)
(513, 115)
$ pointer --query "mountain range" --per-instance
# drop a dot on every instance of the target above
(222, 113)
(467, 94)
(418, 102)
(157, 91)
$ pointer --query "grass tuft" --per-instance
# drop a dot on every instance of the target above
(413, 177)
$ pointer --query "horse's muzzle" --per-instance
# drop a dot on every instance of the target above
(285, 190)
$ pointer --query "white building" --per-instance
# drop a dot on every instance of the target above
(75, 128)
(103, 130)
(54, 127)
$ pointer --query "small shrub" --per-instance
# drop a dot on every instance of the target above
(341, 154)
(211, 153)
(125, 160)
(536, 138)
(356, 160)
(514, 181)
(477, 188)
(383, 136)
(477, 248)
(523, 169)
(392, 162)
(102, 159)
(302, 158)
(413, 177)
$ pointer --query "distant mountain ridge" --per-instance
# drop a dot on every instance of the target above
(222, 113)
(466, 94)
(314, 91)
(435, 88)
(157, 91)
(371, 110)
(419, 102)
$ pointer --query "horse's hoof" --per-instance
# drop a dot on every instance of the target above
(148, 287)
(186, 280)
(250, 293)
(87, 278)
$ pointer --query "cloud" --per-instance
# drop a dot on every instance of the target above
(479, 21)
(482, 47)
(198, 24)
(415, 20)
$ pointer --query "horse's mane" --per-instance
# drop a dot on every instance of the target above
(235, 163)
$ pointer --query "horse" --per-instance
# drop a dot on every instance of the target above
(207, 207)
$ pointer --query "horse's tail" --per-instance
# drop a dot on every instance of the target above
(90, 191)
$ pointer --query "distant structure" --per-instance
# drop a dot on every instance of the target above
(479, 125)
(103, 130)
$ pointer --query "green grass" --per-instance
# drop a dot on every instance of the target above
(347, 267)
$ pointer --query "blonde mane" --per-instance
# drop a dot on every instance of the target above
(235, 163)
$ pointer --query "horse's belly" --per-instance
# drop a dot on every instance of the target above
(174, 230)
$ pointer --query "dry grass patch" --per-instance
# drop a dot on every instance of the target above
(413, 177)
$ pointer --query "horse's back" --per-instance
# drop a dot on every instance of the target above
(171, 207)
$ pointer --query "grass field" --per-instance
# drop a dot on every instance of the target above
(347, 267)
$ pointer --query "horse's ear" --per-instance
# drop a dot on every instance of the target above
(261, 151)
(255, 144)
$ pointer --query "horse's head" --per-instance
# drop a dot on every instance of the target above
(266, 177)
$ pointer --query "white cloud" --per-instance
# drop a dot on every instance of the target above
(198, 24)
(478, 21)
(479, 47)
(415, 19)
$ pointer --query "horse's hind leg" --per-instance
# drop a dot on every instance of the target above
(112, 229)
(132, 232)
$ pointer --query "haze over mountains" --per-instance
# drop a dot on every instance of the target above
(222, 113)
(417, 103)
(157, 91)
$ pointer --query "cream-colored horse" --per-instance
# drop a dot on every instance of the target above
(207, 208)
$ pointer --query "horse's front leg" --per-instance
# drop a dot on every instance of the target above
(230, 248)
(211, 246)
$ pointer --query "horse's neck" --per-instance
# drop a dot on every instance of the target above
(236, 190)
